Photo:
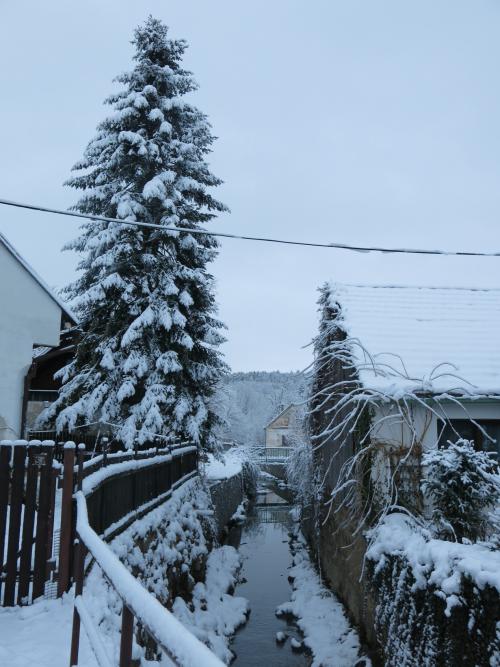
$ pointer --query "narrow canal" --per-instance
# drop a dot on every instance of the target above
(263, 542)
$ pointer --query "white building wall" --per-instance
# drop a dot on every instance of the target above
(274, 436)
(28, 316)
(391, 432)
(394, 438)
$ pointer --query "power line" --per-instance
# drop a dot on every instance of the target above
(339, 246)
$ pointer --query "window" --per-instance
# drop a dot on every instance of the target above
(454, 429)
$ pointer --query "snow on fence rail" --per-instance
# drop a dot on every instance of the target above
(176, 641)
(116, 495)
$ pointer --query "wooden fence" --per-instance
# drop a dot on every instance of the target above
(27, 502)
(37, 481)
(97, 498)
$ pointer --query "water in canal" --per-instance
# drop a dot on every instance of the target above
(264, 547)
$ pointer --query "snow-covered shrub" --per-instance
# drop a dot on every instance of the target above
(463, 487)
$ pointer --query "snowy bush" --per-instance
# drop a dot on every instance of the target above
(463, 486)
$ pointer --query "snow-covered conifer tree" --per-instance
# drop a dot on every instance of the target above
(148, 359)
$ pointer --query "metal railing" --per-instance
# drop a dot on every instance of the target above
(273, 454)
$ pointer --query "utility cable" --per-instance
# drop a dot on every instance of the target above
(339, 246)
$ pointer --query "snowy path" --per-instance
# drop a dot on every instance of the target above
(40, 636)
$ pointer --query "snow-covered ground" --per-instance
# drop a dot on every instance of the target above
(228, 465)
(328, 634)
(40, 635)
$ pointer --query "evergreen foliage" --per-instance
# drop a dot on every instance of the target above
(148, 359)
(463, 487)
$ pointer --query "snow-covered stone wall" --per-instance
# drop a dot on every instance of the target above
(29, 316)
(437, 602)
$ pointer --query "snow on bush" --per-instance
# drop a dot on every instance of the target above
(464, 487)
(434, 561)
(320, 616)
(166, 550)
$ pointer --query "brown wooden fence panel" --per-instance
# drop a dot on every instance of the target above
(15, 515)
(122, 494)
(42, 542)
(5, 453)
(27, 502)
(27, 495)
(28, 526)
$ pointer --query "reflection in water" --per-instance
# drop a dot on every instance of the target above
(263, 544)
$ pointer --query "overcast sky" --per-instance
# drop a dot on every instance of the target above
(356, 122)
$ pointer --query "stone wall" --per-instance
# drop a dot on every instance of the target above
(226, 495)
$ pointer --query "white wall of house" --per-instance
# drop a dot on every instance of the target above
(392, 433)
(28, 316)
(275, 436)
(395, 438)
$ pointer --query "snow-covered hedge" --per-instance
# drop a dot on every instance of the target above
(437, 602)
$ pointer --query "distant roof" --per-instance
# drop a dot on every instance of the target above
(292, 405)
(412, 332)
(63, 306)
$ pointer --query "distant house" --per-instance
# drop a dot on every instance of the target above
(31, 316)
(278, 430)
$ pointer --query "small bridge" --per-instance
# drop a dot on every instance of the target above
(272, 454)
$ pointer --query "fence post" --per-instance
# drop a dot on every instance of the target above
(81, 453)
(16, 506)
(5, 450)
(104, 452)
(79, 574)
(66, 519)
(28, 525)
(126, 637)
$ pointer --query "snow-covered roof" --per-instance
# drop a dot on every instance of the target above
(422, 338)
(63, 306)
(283, 412)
